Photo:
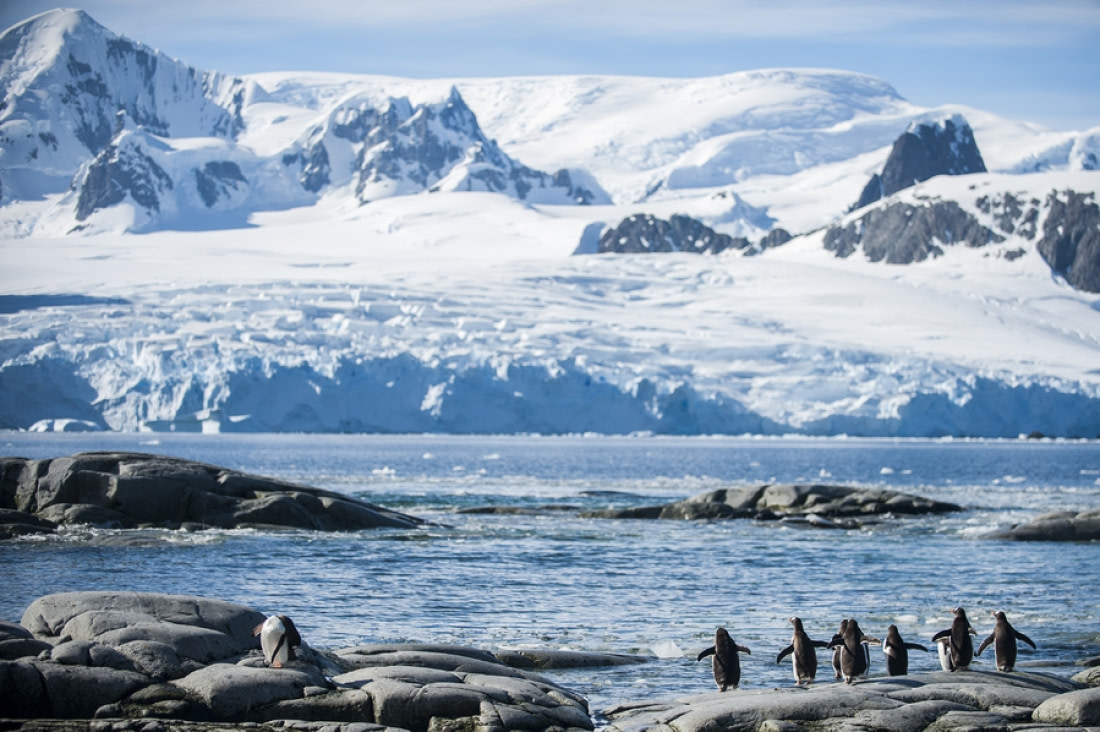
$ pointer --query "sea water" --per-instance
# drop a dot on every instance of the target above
(546, 578)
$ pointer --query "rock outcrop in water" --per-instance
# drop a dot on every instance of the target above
(1056, 526)
(132, 490)
(824, 506)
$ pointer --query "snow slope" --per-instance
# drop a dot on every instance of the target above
(480, 312)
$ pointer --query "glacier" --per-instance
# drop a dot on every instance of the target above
(276, 288)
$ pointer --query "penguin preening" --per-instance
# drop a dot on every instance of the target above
(278, 639)
(802, 653)
(956, 650)
(1004, 638)
(726, 664)
(897, 652)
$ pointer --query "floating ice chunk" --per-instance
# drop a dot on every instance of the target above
(886, 471)
(667, 649)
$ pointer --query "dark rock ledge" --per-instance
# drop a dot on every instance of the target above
(1056, 526)
(823, 506)
(144, 662)
(136, 490)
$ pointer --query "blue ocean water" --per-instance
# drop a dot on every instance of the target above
(550, 579)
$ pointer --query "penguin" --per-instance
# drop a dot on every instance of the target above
(726, 664)
(943, 649)
(278, 639)
(854, 654)
(803, 655)
(897, 652)
(1004, 638)
(960, 649)
(836, 642)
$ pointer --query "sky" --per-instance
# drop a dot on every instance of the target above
(1020, 59)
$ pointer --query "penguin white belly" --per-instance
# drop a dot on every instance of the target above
(945, 655)
(273, 642)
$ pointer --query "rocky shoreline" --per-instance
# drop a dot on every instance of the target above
(151, 662)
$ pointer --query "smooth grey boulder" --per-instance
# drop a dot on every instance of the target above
(1074, 708)
(186, 627)
(1055, 526)
(18, 642)
(552, 659)
(127, 490)
(43, 689)
(232, 692)
(933, 701)
(812, 502)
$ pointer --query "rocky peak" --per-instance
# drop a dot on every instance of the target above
(645, 234)
(925, 150)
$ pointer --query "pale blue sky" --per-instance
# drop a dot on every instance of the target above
(1021, 59)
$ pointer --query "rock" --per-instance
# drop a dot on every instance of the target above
(934, 701)
(819, 506)
(126, 490)
(1071, 239)
(1075, 708)
(179, 626)
(15, 523)
(925, 150)
(1061, 526)
(17, 642)
(1089, 677)
(550, 659)
(238, 693)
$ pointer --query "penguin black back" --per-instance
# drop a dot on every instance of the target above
(726, 664)
(1004, 638)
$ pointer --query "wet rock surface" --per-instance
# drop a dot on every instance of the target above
(817, 506)
(1056, 526)
(135, 490)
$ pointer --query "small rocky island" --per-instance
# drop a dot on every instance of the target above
(137, 490)
(824, 506)
(145, 662)
(1055, 526)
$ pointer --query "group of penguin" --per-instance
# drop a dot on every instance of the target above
(852, 655)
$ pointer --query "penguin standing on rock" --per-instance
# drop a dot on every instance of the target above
(957, 650)
(802, 653)
(726, 664)
(854, 660)
(1004, 638)
(836, 643)
(278, 639)
(897, 652)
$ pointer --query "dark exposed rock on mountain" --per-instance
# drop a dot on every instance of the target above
(400, 148)
(901, 233)
(773, 502)
(70, 98)
(925, 150)
(1071, 238)
(122, 170)
(645, 234)
(127, 490)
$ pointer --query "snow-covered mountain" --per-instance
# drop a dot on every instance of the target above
(326, 252)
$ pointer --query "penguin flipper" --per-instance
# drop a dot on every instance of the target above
(742, 649)
(985, 643)
(293, 637)
(942, 634)
(704, 654)
(1025, 639)
(784, 653)
(821, 644)
(916, 647)
(258, 629)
